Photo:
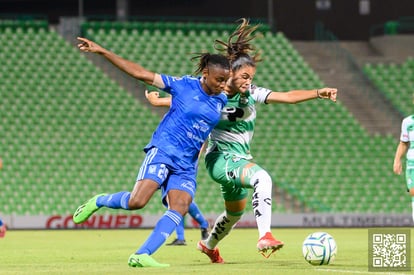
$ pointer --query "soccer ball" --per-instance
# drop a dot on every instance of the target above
(319, 248)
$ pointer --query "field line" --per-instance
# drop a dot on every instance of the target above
(360, 272)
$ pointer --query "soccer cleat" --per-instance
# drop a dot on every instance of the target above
(267, 245)
(213, 254)
(177, 242)
(204, 233)
(86, 210)
(144, 260)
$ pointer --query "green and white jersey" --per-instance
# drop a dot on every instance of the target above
(235, 129)
(407, 135)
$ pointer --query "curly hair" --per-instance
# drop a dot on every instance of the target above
(238, 48)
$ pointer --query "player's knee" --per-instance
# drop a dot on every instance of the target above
(135, 203)
(179, 205)
(235, 215)
(262, 177)
(411, 191)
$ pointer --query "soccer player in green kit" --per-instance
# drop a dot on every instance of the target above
(405, 148)
(228, 159)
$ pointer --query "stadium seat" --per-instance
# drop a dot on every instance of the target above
(395, 81)
(85, 134)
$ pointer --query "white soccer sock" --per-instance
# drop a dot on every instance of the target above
(223, 225)
(412, 208)
(262, 201)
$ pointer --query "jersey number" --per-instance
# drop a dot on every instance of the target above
(233, 113)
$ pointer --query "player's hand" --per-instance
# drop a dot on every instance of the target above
(397, 167)
(152, 96)
(157, 101)
(328, 93)
(87, 45)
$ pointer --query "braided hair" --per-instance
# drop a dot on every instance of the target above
(238, 48)
(208, 59)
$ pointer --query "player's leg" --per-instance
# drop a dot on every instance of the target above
(179, 197)
(147, 183)
(178, 205)
(2, 229)
(221, 228)
(411, 190)
(225, 222)
(178, 201)
(261, 182)
(137, 199)
(179, 230)
(409, 175)
(222, 169)
(242, 173)
(235, 173)
(196, 214)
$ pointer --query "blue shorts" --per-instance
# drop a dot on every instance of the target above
(159, 167)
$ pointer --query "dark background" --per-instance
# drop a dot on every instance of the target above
(296, 18)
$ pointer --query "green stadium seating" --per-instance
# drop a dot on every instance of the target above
(396, 81)
(59, 124)
(70, 131)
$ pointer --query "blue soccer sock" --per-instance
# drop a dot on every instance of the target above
(195, 212)
(115, 201)
(164, 227)
(180, 230)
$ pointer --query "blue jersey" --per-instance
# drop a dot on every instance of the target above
(189, 121)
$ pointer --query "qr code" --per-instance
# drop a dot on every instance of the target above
(390, 250)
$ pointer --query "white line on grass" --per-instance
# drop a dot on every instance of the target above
(359, 272)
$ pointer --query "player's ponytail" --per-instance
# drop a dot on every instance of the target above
(238, 48)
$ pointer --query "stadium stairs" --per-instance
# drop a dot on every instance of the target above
(340, 68)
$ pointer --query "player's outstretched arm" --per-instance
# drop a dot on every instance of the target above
(402, 149)
(129, 67)
(296, 96)
(157, 101)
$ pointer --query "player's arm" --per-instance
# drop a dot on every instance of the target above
(203, 148)
(129, 67)
(202, 151)
(402, 149)
(296, 96)
(157, 101)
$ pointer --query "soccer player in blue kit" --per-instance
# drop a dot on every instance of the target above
(3, 229)
(172, 154)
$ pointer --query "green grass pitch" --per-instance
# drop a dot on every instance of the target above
(107, 252)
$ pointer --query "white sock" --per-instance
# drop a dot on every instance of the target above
(262, 201)
(223, 225)
(412, 208)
